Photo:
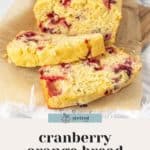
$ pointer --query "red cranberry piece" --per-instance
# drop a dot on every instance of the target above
(65, 66)
(129, 71)
(40, 48)
(52, 90)
(52, 15)
(65, 23)
(108, 3)
(98, 68)
(26, 34)
(55, 19)
(107, 37)
(52, 78)
(65, 2)
(124, 67)
(110, 50)
(50, 81)
(44, 30)
(41, 72)
(93, 61)
(49, 30)
(30, 34)
(108, 92)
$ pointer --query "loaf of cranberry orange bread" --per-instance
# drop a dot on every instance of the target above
(74, 17)
(31, 49)
(82, 82)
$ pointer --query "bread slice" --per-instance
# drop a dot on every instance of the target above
(73, 17)
(82, 82)
(31, 49)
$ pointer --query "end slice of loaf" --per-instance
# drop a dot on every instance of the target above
(73, 17)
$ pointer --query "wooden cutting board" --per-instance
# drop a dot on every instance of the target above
(21, 86)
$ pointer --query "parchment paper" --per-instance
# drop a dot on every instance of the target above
(21, 86)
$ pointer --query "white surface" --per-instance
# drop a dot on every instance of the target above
(4, 5)
(145, 2)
